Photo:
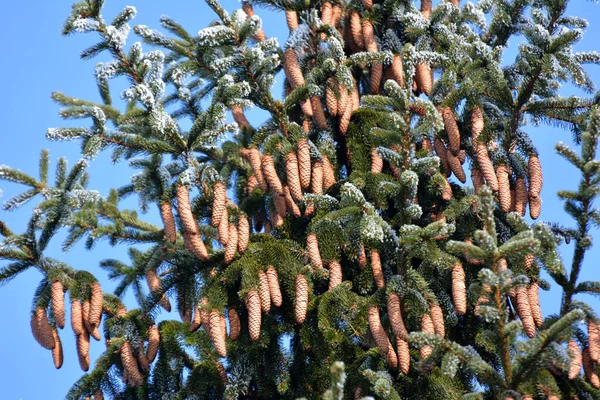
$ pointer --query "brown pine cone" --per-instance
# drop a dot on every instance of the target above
(326, 13)
(317, 178)
(222, 372)
(330, 99)
(535, 176)
(247, 7)
(447, 193)
(426, 8)
(76, 317)
(292, 68)
(96, 301)
(196, 320)
(154, 285)
(328, 173)
(397, 70)
(426, 144)
(403, 354)
(312, 246)
(280, 208)
(362, 257)
(238, 112)
(535, 207)
(590, 369)
(243, 233)
(593, 339)
(274, 289)
(477, 179)
(85, 313)
(424, 77)
(254, 158)
(268, 167)
(95, 333)
(335, 274)
(193, 242)
(290, 203)
(381, 338)
(524, 311)
(377, 270)
(153, 343)
(304, 163)
(223, 228)
(376, 77)
(462, 156)
(219, 203)
(293, 176)
(452, 130)
(395, 315)
(503, 187)
(232, 244)
(437, 317)
(264, 292)
(166, 213)
(251, 184)
(534, 304)
(301, 298)
(426, 327)
(476, 124)
(346, 115)
(254, 314)
(234, 324)
(130, 365)
(343, 101)
(376, 162)
(521, 196)
(83, 350)
(456, 167)
(459, 291)
(486, 166)
(576, 359)
(356, 30)
(185, 210)
(142, 360)
(216, 333)
(318, 112)
(58, 303)
(184, 307)
(57, 351)
(291, 18)
(41, 329)
(336, 16)
(442, 153)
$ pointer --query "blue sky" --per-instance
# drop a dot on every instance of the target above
(38, 61)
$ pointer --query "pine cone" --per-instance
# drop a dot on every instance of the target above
(376, 162)
(193, 242)
(280, 209)
(395, 315)
(456, 167)
(264, 292)
(222, 372)
(593, 340)
(336, 16)
(254, 314)
(524, 311)
(268, 167)
(318, 112)
(304, 163)
(96, 301)
(451, 129)
(487, 168)
(423, 77)
(83, 350)
(196, 320)
(154, 285)
(330, 99)
(326, 14)
(58, 303)
(130, 365)
(437, 318)
(153, 343)
(293, 176)
(85, 313)
(403, 355)
(362, 257)
(521, 196)
(328, 174)
(535, 207)
(356, 30)
(57, 351)
(377, 270)
(292, 68)
(426, 8)
(312, 246)
(426, 327)
(376, 76)
(232, 244)
(346, 115)
(185, 210)
(41, 329)
(503, 187)
(216, 333)
(442, 153)
(95, 333)
(76, 317)
(274, 289)
(335, 274)
(243, 233)
(166, 213)
(219, 203)
(317, 178)
(447, 193)
(381, 338)
(291, 18)
(142, 360)
(534, 304)
(238, 113)
(477, 179)
(476, 123)
(223, 228)
(590, 369)
(290, 203)
(260, 35)
(576, 359)
(535, 176)
(301, 298)
(251, 184)
(184, 307)
(459, 292)
(255, 161)
(234, 324)
(397, 70)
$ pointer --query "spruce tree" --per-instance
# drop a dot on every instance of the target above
(334, 250)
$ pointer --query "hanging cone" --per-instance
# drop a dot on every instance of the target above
(312, 246)
(76, 317)
(264, 292)
(534, 304)
(274, 289)
(403, 355)
(280, 208)
(381, 338)
(346, 115)
(222, 372)
(377, 270)
(57, 351)
(232, 244)
(397, 70)
(524, 311)
(96, 300)
(234, 324)
(260, 35)
(447, 193)
(356, 30)
(423, 77)
(535, 176)
(83, 349)
(576, 359)
(437, 317)
(223, 326)
(185, 210)
(318, 112)
(196, 320)
(291, 18)
(254, 158)
(251, 184)
(426, 8)
(268, 167)
(459, 291)
(442, 153)
(477, 179)
(343, 100)
(130, 365)
(293, 176)
(95, 333)
(219, 201)
(451, 129)
(254, 314)
(395, 315)
(183, 307)
(590, 369)
(142, 359)
(304, 163)
(476, 124)
(166, 214)
(121, 312)
(330, 99)
(243, 233)
(301, 298)
(336, 16)
(238, 113)
(216, 333)
(335, 274)
(292, 68)
(326, 16)
(426, 327)
(487, 168)
(456, 167)
(328, 173)
(535, 207)
(503, 187)
(376, 162)
(462, 156)
(521, 196)
(223, 228)
(193, 242)
(154, 285)
(205, 316)
(317, 178)
(290, 203)
(593, 340)
(376, 76)
(41, 329)
(58, 303)
(85, 313)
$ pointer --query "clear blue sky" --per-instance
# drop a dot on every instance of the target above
(37, 61)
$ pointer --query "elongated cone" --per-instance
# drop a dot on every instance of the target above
(424, 77)
(381, 338)
(293, 175)
(376, 77)
(503, 187)
(395, 315)
(291, 18)
(58, 303)
(76, 317)
(166, 213)
(576, 359)
(304, 163)
(426, 7)
(83, 350)
(426, 327)
(223, 228)
(130, 365)
(346, 115)
(142, 360)
(96, 301)
(487, 168)
(356, 30)
(437, 317)
(534, 304)
(219, 203)
(477, 179)
(535, 176)
(274, 289)
(264, 292)
(318, 112)
(312, 246)
(524, 311)
(442, 153)
(447, 193)
(196, 320)
(459, 291)
(238, 112)
(57, 351)
(326, 14)
(590, 369)
(268, 167)
(290, 203)
(251, 184)
(216, 333)
(254, 314)
(376, 162)
(330, 99)
(243, 233)
(185, 210)
(317, 178)
(462, 156)
(232, 244)
(476, 123)
(280, 208)
(260, 35)
(593, 339)
(154, 285)
(456, 167)
(41, 329)
(254, 158)
(397, 70)
(95, 333)
(336, 15)
(335, 274)
(377, 270)
(234, 324)
(403, 354)
(292, 68)
(535, 207)
(452, 130)
(153, 343)
(301, 298)
(328, 173)
(521, 196)
(193, 242)
(85, 313)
